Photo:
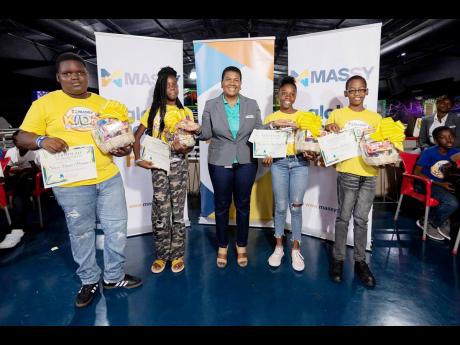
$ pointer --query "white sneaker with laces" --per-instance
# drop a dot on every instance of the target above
(275, 259)
(297, 260)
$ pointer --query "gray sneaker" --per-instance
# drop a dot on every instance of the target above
(433, 233)
(444, 230)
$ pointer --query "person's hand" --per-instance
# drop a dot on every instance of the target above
(283, 123)
(145, 165)
(447, 185)
(122, 151)
(310, 155)
(54, 145)
(267, 161)
(332, 127)
(189, 126)
(178, 147)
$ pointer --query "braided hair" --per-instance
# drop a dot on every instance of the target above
(160, 98)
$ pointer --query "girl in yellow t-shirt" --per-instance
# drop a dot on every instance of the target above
(289, 175)
(165, 117)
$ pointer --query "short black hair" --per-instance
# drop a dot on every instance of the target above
(288, 80)
(437, 131)
(231, 69)
(443, 97)
(357, 76)
(68, 56)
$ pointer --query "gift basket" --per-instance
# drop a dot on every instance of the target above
(112, 129)
(383, 145)
(184, 131)
(309, 130)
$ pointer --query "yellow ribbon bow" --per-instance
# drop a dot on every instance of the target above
(390, 130)
(115, 110)
(310, 121)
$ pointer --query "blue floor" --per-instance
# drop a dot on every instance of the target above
(417, 282)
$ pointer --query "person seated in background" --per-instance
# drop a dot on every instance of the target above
(431, 165)
(442, 117)
(20, 180)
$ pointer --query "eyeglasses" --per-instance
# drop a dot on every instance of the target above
(68, 75)
(355, 91)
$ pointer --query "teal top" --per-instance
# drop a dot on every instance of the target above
(233, 117)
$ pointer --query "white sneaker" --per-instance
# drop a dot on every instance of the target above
(275, 259)
(297, 260)
(9, 241)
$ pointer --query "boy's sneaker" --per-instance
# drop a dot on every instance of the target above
(275, 259)
(86, 294)
(297, 260)
(128, 282)
(444, 230)
(364, 273)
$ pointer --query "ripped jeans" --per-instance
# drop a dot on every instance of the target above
(289, 183)
(81, 205)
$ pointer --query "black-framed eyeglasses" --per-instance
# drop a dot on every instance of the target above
(355, 91)
(68, 75)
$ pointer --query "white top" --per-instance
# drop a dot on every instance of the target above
(436, 124)
(22, 162)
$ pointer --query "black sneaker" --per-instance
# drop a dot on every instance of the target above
(128, 282)
(335, 271)
(364, 273)
(86, 294)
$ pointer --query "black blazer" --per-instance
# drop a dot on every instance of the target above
(452, 121)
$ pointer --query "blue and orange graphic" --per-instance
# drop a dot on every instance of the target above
(115, 77)
(302, 78)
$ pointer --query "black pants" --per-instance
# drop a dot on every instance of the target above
(22, 184)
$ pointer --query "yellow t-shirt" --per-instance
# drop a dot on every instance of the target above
(295, 117)
(173, 116)
(72, 120)
(346, 118)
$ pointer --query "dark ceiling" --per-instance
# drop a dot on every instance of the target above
(29, 46)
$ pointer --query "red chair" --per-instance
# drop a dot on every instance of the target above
(39, 190)
(3, 198)
(407, 188)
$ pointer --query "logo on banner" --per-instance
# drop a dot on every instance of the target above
(121, 79)
(323, 76)
(115, 77)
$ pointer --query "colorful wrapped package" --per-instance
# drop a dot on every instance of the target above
(183, 132)
(113, 130)
(310, 127)
(382, 146)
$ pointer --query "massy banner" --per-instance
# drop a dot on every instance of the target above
(127, 69)
(255, 58)
(321, 63)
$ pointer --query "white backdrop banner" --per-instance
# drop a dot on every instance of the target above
(127, 70)
(321, 63)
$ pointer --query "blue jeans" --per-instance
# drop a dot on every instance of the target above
(236, 181)
(289, 183)
(355, 195)
(81, 206)
(448, 203)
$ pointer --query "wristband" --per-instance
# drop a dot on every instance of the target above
(137, 161)
(40, 140)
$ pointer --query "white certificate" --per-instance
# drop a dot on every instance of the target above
(157, 152)
(77, 164)
(271, 143)
(339, 147)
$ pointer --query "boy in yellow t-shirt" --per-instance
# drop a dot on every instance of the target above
(66, 118)
(356, 183)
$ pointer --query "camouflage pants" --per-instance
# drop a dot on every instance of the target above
(169, 194)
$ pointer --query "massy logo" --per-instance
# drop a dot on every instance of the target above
(322, 76)
(115, 77)
(120, 78)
